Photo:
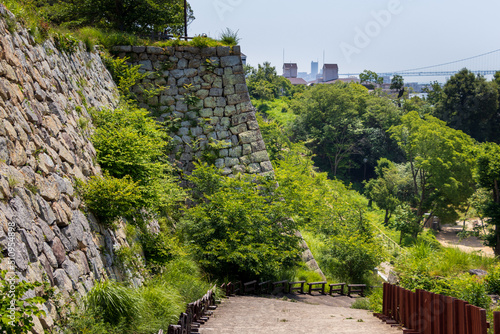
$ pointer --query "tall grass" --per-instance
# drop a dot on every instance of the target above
(114, 300)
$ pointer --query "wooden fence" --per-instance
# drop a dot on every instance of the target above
(196, 314)
(423, 312)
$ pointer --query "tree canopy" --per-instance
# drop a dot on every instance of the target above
(441, 164)
(134, 16)
(470, 103)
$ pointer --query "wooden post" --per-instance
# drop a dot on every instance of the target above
(185, 20)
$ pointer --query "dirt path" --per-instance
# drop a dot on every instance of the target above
(306, 314)
(448, 238)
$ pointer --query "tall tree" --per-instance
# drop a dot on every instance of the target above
(488, 176)
(398, 83)
(470, 103)
(441, 165)
(387, 190)
(370, 77)
(329, 120)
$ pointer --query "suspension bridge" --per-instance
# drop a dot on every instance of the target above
(484, 64)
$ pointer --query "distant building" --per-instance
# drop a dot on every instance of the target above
(297, 81)
(330, 72)
(303, 75)
(290, 70)
(314, 69)
(243, 59)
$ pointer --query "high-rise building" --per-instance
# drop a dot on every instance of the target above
(314, 69)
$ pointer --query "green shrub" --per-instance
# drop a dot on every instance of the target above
(242, 229)
(492, 280)
(85, 321)
(109, 198)
(376, 299)
(159, 249)
(124, 75)
(66, 42)
(129, 142)
(471, 289)
(185, 276)
(352, 257)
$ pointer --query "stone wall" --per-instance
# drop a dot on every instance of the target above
(203, 97)
(44, 147)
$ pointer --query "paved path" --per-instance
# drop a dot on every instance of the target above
(448, 237)
(304, 314)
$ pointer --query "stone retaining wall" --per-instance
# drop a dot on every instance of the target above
(44, 147)
(203, 97)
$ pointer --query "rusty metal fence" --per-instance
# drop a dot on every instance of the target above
(423, 312)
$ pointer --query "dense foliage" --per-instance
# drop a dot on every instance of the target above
(469, 103)
(264, 83)
(345, 126)
(142, 16)
(240, 228)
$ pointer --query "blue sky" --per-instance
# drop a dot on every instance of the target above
(380, 35)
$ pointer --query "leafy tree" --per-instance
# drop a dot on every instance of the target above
(470, 103)
(329, 121)
(440, 162)
(397, 83)
(139, 16)
(275, 138)
(370, 77)
(488, 175)
(434, 92)
(387, 190)
(264, 83)
(241, 228)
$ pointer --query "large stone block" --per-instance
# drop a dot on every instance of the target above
(58, 250)
(249, 137)
(259, 156)
(230, 61)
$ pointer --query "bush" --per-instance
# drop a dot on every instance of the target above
(471, 289)
(109, 198)
(130, 143)
(492, 280)
(352, 257)
(241, 230)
